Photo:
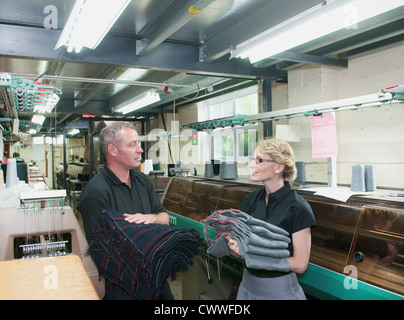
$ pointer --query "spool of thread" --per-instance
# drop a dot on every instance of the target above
(11, 174)
(216, 166)
(208, 170)
(370, 182)
(301, 172)
(148, 166)
(358, 178)
(228, 171)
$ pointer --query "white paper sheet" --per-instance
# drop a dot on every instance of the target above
(340, 194)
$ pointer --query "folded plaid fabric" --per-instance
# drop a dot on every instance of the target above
(140, 257)
(262, 245)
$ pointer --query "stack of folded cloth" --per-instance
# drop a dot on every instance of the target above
(140, 257)
(262, 245)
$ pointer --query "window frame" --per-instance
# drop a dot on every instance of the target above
(207, 137)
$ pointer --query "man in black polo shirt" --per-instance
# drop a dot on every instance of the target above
(118, 186)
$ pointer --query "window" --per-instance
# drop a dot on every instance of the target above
(223, 143)
(221, 109)
(56, 141)
(247, 142)
(247, 104)
(230, 143)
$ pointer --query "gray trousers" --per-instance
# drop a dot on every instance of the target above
(279, 288)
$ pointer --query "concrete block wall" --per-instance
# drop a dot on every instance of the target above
(368, 136)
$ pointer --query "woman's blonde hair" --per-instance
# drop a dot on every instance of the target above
(281, 152)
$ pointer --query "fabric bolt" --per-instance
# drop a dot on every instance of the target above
(262, 245)
(140, 257)
(105, 191)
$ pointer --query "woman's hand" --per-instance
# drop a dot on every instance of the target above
(234, 247)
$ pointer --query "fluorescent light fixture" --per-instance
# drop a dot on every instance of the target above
(37, 118)
(131, 74)
(320, 20)
(72, 132)
(89, 22)
(47, 105)
(138, 102)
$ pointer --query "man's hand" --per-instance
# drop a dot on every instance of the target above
(141, 218)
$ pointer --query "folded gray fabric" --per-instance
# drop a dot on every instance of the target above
(266, 233)
(270, 252)
(235, 217)
(267, 263)
(257, 222)
(262, 245)
(259, 241)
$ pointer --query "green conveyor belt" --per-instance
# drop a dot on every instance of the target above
(317, 281)
(323, 283)
(184, 222)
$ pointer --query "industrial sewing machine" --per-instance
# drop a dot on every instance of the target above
(43, 226)
(357, 249)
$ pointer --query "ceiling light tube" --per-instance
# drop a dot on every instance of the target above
(318, 21)
(37, 118)
(138, 102)
(89, 22)
(73, 132)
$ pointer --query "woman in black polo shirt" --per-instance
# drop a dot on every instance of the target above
(277, 203)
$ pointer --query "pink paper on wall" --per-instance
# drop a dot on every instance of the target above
(324, 136)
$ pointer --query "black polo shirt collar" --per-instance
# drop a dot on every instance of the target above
(279, 194)
(112, 176)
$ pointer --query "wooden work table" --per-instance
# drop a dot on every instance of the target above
(53, 278)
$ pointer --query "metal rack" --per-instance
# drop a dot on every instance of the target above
(49, 245)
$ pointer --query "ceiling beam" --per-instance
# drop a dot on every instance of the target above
(20, 41)
(167, 22)
(269, 15)
(110, 73)
(309, 58)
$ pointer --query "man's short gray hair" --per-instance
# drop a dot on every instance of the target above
(111, 134)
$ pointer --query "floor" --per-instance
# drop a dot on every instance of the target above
(176, 286)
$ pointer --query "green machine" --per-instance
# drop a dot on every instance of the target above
(357, 250)
(26, 95)
(237, 120)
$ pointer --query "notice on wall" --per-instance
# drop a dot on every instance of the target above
(324, 136)
(38, 152)
(290, 133)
